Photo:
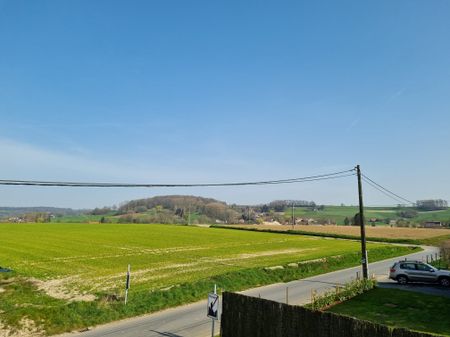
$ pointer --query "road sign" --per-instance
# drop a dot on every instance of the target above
(213, 306)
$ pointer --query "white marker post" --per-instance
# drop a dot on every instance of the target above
(127, 284)
(213, 308)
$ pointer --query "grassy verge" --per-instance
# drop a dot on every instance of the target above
(441, 263)
(399, 308)
(339, 236)
(340, 294)
(436, 241)
(20, 298)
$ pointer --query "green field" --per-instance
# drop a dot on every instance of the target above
(69, 276)
(339, 213)
(94, 257)
(81, 218)
(399, 308)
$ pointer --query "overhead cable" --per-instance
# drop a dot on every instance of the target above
(334, 175)
(385, 190)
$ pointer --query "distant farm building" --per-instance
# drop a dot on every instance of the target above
(432, 224)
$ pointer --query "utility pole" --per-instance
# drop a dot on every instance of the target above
(127, 284)
(189, 215)
(293, 216)
(364, 261)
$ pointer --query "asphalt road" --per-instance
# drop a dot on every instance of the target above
(191, 321)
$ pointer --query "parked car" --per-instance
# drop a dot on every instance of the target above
(417, 271)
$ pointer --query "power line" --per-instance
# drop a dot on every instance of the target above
(334, 175)
(386, 191)
(382, 191)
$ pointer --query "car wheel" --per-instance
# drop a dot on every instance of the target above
(402, 279)
(445, 282)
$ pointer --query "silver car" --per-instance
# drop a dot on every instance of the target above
(417, 271)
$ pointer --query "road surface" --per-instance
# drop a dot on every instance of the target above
(191, 321)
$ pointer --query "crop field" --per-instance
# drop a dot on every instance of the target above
(69, 276)
(91, 257)
(375, 232)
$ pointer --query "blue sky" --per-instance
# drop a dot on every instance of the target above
(207, 91)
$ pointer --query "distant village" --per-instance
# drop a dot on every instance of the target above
(198, 210)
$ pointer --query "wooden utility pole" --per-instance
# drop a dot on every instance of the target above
(293, 216)
(189, 216)
(364, 261)
(127, 284)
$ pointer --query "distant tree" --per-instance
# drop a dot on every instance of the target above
(248, 215)
(278, 205)
(346, 221)
(402, 223)
(141, 209)
(407, 213)
(356, 220)
(281, 205)
(202, 219)
(101, 211)
(37, 217)
(278, 218)
(179, 212)
(265, 208)
(432, 204)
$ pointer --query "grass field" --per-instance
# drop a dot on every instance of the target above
(94, 257)
(70, 275)
(81, 218)
(398, 308)
(339, 213)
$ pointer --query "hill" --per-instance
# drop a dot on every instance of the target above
(177, 209)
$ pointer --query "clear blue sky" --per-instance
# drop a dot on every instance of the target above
(206, 91)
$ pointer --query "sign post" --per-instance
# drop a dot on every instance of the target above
(127, 284)
(213, 308)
